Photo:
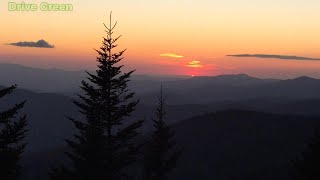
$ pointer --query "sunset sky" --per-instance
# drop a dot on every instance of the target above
(184, 37)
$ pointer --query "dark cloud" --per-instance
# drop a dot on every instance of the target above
(39, 44)
(275, 57)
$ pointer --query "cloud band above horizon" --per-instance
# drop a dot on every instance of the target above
(272, 56)
(171, 55)
(38, 44)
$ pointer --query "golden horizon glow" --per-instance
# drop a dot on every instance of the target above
(182, 30)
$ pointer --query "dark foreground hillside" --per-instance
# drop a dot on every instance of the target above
(226, 145)
(241, 145)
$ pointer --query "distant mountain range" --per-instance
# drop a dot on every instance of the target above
(49, 126)
(179, 89)
(56, 80)
(204, 90)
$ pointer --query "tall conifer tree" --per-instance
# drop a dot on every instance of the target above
(12, 132)
(161, 152)
(104, 147)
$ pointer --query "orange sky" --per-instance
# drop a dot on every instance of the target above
(203, 32)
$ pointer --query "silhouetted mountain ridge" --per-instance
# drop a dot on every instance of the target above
(239, 144)
(180, 89)
(232, 79)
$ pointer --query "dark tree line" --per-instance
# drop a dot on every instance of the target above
(12, 133)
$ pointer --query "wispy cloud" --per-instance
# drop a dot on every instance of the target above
(194, 64)
(285, 57)
(38, 44)
(171, 55)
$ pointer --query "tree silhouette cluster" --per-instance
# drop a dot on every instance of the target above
(12, 133)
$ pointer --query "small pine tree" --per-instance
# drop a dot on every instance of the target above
(308, 167)
(161, 152)
(104, 147)
(12, 132)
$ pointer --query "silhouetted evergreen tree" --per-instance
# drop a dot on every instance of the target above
(161, 152)
(12, 132)
(308, 166)
(104, 147)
